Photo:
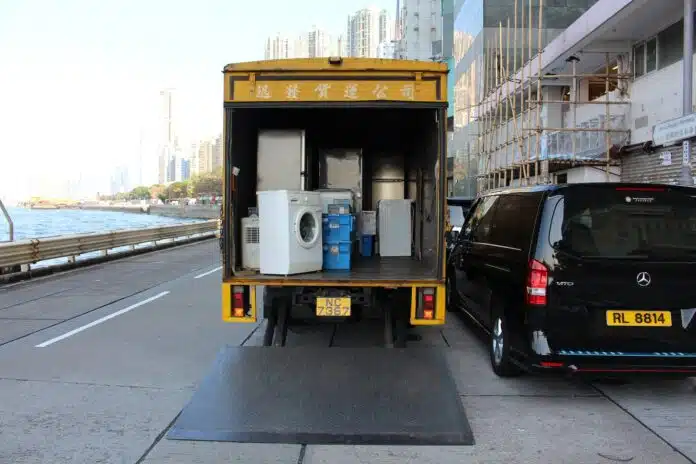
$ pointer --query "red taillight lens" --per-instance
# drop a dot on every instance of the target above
(238, 302)
(537, 281)
(428, 306)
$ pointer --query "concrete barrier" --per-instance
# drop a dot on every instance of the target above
(185, 212)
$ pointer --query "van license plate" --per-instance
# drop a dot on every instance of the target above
(639, 318)
(336, 307)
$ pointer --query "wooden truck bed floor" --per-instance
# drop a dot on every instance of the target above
(363, 269)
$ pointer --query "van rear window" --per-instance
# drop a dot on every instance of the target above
(620, 223)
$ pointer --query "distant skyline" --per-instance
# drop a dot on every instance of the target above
(81, 79)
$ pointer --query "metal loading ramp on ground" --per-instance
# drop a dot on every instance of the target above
(314, 396)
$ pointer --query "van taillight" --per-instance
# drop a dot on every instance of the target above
(537, 281)
(238, 309)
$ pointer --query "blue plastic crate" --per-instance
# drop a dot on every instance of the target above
(367, 244)
(337, 227)
(337, 255)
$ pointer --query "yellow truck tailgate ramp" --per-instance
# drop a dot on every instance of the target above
(333, 396)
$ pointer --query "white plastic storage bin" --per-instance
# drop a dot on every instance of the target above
(367, 223)
(331, 197)
(394, 227)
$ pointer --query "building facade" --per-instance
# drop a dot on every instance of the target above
(277, 48)
(387, 49)
(421, 31)
(166, 135)
(312, 44)
(609, 105)
(365, 30)
(485, 54)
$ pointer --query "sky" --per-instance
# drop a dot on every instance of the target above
(80, 79)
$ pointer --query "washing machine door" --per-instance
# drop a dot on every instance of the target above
(307, 227)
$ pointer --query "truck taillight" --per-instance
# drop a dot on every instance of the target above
(238, 307)
(428, 304)
(537, 281)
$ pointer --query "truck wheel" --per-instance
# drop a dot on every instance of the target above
(271, 324)
(401, 329)
(281, 329)
(499, 346)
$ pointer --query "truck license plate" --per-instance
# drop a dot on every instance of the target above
(336, 307)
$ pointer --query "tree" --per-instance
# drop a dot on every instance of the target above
(206, 184)
(141, 193)
(157, 191)
(178, 190)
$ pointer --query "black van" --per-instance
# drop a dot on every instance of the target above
(593, 278)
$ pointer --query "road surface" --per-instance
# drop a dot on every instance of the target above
(96, 363)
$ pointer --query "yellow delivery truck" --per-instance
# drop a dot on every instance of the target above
(334, 195)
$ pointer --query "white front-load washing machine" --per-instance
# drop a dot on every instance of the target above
(290, 234)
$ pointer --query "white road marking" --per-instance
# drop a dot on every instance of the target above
(99, 321)
(208, 272)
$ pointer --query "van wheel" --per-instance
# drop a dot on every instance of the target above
(501, 361)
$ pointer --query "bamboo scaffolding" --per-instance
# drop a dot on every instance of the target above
(514, 116)
(607, 118)
(508, 172)
(537, 153)
(528, 111)
(498, 134)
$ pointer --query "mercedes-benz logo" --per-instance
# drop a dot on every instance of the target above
(643, 279)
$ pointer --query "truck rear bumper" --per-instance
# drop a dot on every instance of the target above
(242, 301)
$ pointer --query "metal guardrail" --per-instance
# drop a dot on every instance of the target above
(26, 252)
(8, 218)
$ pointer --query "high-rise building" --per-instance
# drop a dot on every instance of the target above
(314, 43)
(280, 47)
(420, 25)
(171, 169)
(119, 180)
(318, 43)
(166, 140)
(193, 157)
(216, 155)
(185, 169)
(204, 158)
(277, 47)
(182, 169)
(387, 49)
(338, 46)
(366, 29)
(299, 46)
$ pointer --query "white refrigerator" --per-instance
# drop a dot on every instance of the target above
(394, 227)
